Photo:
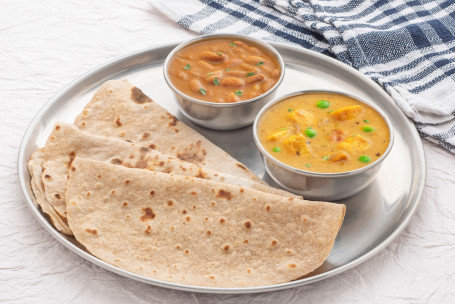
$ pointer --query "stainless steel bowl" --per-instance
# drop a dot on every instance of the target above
(223, 116)
(320, 186)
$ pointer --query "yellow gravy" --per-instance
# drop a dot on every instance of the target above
(323, 132)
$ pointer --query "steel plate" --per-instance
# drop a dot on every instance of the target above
(374, 217)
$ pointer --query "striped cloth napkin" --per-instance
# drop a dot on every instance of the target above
(407, 47)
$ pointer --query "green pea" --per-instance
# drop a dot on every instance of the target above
(276, 149)
(322, 104)
(310, 132)
(367, 129)
(326, 157)
(364, 159)
(366, 121)
(308, 165)
(290, 110)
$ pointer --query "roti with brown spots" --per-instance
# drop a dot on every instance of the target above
(119, 109)
(36, 170)
(194, 231)
(66, 142)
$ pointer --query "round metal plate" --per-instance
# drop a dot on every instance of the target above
(374, 217)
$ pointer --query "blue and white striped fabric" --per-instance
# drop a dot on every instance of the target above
(407, 47)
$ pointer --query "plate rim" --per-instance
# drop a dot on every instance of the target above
(415, 196)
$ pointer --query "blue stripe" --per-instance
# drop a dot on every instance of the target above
(263, 25)
(418, 36)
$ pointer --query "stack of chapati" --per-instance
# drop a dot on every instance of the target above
(143, 191)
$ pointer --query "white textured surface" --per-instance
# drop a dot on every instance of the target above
(44, 45)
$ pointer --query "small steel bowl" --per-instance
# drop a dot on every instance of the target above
(320, 186)
(223, 116)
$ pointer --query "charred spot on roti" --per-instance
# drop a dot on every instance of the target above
(148, 214)
(289, 251)
(227, 247)
(273, 243)
(267, 207)
(152, 146)
(148, 230)
(91, 231)
(213, 203)
(193, 193)
(208, 232)
(167, 170)
(194, 207)
(170, 203)
(47, 176)
(116, 161)
(89, 193)
(138, 96)
(224, 194)
(212, 277)
(245, 241)
(184, 212)
(57, 127)
(113, 191)
(143, 149)
(141, 163)
(178, 247)
(161, 163)
(222, 220)
(292, 265)
(172, 120)
(72, 155)
(188, 218)
(248, 224)
(192, 153)
(290, 199)
(145, 135)
(127, 181)
(57, 196)
(187, 251)
(152, 192)
(241, 166)
(118, 122)
(125, 204)
(200, 174)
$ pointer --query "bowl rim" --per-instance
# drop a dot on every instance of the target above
(261, 43)
(266, 154)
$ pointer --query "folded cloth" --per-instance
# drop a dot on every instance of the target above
(406, 47)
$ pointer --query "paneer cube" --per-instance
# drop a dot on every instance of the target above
(277, 135)
(355, 143)
(303, 117)
(347, 112)
(297, 144)
(340, 156)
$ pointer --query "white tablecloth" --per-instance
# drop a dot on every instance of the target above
(44, 45)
